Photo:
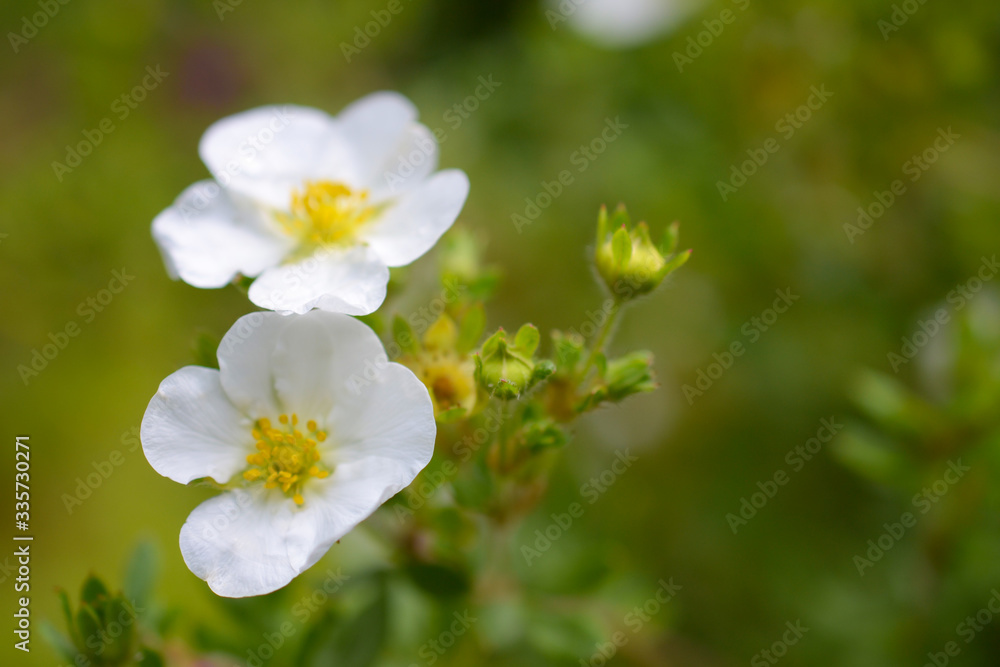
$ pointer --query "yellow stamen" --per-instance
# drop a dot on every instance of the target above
(326, 213)
(285, 458)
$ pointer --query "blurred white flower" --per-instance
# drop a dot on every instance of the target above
(316, 207)
(622, 23)
(305, 450)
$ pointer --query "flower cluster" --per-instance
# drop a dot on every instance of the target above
(305, 204)
(305, 425)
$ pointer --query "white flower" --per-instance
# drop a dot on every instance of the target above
(316, 207)
(310, 429)
(628, 23)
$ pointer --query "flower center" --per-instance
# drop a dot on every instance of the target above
(286, 457)
(326, 213)
(449, 379)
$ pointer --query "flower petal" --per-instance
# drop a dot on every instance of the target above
(418, 218)
(337, 505)
(351, 281)
(192, 430)
(207, 237)
(242, 542)
(389, 419)
(374, 127)
(318, 356)
(268, 152)
(245, 363)
(410, 162)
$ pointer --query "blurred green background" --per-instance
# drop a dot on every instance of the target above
(60, 240)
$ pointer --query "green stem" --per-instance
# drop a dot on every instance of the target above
(506, 417)
(601, 339)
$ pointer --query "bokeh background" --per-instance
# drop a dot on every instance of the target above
(62, 235)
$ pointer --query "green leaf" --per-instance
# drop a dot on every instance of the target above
(893, 405)
(149, 658)
(403, 334)
(493, 342)
(94, 592)
(439, 580)
(471, 329)
(621, 247)
(141, 573)
(601, 361)
(620, 217)
(670, 238)
(527, 339)
(484, 286)
(474, 484)
(59, 642)
(543, 369)
(67, 611)
(602, 225)
(676, 263)
(90, 627)
(568, 350)
(876, 458)
(119, 615)
(351, 643)
(544, 434)
(563, 636)
(451, 415)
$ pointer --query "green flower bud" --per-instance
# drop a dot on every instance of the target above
(101, 631)
(631, 374)
(628, 261)
(621, 378)
(507, 369)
